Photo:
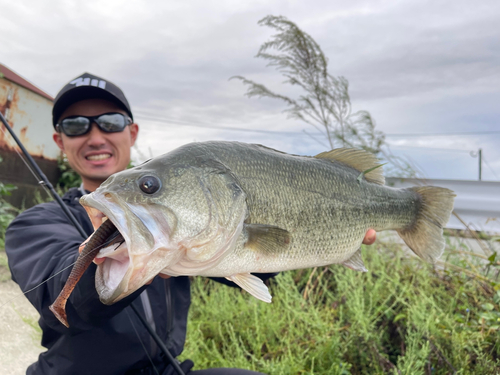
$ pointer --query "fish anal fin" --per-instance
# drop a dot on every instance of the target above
(356, 262)
(252, 284)
(360, 160)
(267, 239)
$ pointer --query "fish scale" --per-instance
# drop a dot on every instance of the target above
(339, 223)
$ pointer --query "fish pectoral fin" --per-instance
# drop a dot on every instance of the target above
(267, 239)
(253, 285)
(356, 262)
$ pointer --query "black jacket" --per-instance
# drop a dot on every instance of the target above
(40, 243)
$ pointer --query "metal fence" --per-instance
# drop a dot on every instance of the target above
(477, 203)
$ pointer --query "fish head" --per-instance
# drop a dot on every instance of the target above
(169, 214)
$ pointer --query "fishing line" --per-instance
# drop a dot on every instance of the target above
(46, 183)
(171, 359)
(61, 271)
(143, 346)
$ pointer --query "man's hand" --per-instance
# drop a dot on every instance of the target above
(161, 275)
(84, 243)
(82, 246)
(370, 237)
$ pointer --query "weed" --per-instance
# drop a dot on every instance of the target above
(36, 333)
(4, 268)
(401, 317)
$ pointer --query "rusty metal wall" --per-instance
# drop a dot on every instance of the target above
(30, 116)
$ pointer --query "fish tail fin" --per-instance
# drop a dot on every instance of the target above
(58, 308)
(425, 235)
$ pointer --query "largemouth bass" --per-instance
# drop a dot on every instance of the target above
(226, 209)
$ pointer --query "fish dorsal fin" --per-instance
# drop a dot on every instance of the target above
(267, 239)
(253, 285)
(360, 160)
(356, 262)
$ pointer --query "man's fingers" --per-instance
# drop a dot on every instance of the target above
(84, 243)
(370, 237)
(161, 275)
(82, 246)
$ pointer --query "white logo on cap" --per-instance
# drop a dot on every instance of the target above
(88, 82)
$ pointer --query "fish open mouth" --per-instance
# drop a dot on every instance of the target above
(136, 255)
(113, 260)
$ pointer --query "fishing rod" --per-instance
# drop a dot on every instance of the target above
(43, 180)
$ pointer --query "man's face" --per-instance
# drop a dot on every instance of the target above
(96, 155)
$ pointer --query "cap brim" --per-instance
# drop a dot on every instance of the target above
(82, 93)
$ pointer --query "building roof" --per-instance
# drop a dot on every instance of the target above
(16, 78)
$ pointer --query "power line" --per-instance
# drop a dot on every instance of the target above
(295, 133)
(452, 150)
(232, 128)
(431, 148)
(441, 134)
(491, 169)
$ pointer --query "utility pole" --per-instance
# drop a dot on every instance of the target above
(480, 154)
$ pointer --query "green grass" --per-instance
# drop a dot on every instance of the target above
(36, 331)
(4, 267)
(402, 317)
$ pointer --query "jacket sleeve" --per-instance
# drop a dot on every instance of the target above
(41, 246)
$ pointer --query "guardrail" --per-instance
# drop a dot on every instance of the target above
(477, 203)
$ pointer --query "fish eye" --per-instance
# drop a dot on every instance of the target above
(149, 184)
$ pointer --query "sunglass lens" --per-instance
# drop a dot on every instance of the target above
(113, 122)
(75, 125)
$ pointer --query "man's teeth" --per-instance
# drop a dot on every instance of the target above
(99, 157)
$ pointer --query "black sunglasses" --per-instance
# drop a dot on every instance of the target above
(79, 125)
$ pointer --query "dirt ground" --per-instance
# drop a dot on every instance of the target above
(19, 331)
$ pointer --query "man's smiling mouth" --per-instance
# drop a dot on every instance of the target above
(98, 157)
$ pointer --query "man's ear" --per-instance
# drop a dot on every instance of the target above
(134, 132)
(58, 140)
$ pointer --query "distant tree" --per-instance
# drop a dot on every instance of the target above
(325, 103)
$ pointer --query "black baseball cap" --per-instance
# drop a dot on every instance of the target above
(88, 86)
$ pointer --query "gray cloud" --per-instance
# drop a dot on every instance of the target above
(417, 66)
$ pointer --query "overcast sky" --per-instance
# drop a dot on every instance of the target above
(419, 67)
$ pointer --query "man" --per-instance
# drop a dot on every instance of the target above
(95, 129)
